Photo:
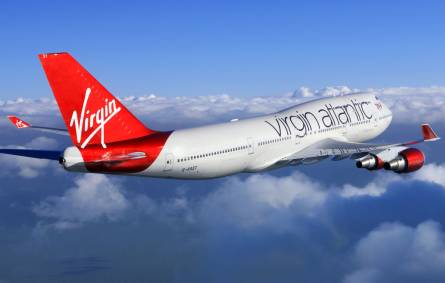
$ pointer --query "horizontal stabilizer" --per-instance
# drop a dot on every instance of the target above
(20, 124)
(33, 153)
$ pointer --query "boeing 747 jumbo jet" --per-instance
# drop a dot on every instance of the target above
(107, 138)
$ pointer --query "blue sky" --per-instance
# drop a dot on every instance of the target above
(211, 62)
(243, 48)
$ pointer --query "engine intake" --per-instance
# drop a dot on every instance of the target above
(408, 160)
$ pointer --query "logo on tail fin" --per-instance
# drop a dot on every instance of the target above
(89, 120)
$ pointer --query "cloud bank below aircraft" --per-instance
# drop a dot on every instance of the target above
(294, 218)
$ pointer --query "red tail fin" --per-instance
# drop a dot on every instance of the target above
(91, 113)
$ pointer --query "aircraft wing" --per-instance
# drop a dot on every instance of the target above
(33, 153)
(342, 149)
(20, 124)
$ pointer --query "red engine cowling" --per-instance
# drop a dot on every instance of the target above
(408, 160)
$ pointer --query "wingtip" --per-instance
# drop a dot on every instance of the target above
(428, 133)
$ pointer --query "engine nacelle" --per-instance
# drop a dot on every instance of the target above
(408, 160)
(370, 162)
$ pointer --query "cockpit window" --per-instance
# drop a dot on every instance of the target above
(376, 97)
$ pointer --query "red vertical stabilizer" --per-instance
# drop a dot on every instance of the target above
(91, 113)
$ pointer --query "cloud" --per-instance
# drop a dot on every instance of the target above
(409, 105)
(375, 188)
(304, 92)
(394, 252)
(263, 200)
(27, 167)
(256, 228)
(94, 197)
(28, 106)
(260, 200)
(433, 173)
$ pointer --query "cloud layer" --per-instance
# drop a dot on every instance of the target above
(296, 220)
(282, 226)
(93, 198)
(423, 104)
(394, 252)
(23, 166)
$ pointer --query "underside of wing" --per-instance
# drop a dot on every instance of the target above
(33, 153)
(339, 150)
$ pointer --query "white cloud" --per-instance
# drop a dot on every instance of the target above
(431, 90)
(42, 143)
(260, 200)
(394, 252)
(94, 197)
(28, 106)
(433, 173)
(294, 216)
(24, 166)
(303, 92)
(375, 188)
(263, 200)
(409, 105)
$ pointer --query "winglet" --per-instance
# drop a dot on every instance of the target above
(428, 133)
(19, 123)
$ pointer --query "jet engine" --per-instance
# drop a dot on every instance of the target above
(408, 160)
(370, 162)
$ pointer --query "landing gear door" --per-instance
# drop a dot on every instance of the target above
(169, 159)
(250, 146)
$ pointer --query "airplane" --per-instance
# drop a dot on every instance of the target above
(109, 139)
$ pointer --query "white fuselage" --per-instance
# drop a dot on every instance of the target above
(257, 144)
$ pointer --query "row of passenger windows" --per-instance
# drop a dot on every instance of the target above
(361, 122)
(243, 147)
(329, 129)
(204, 155)
(274, 140)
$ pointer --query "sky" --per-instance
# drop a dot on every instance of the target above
(178, 65)
(242, 48)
